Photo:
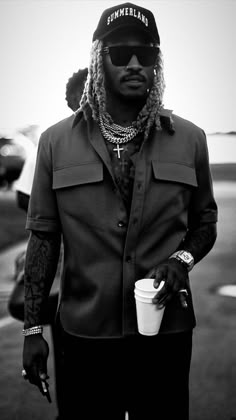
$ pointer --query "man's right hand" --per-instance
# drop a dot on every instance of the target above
(35, 355)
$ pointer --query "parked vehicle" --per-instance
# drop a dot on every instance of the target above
(12, 158)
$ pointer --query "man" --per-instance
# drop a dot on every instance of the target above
(126, 184)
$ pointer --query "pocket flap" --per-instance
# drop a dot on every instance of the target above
(176, 172)
(78, 174)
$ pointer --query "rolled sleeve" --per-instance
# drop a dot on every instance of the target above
(43, 212)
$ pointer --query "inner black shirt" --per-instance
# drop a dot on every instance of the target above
(124, 167)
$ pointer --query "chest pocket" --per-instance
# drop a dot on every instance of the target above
(77, 175)
(172, 189)
(174, 172)
(79, 189)
(78, 186)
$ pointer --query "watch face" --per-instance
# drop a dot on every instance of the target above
(186, 257)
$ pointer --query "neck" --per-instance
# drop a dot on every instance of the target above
(124, 112)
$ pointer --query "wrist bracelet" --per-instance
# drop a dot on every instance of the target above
(38, 329)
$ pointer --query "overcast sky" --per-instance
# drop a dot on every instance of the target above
(42, 42)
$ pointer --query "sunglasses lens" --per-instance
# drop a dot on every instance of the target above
(121, 55)
(147, 56)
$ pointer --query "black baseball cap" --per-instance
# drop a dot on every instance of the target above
(126, 15)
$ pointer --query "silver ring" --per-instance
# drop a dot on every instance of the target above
(24, 373)
(184, 291)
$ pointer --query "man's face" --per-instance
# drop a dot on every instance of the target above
(127, 74)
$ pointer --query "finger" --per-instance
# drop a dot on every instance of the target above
(183, 298)
(163, 300)
(151, 274)
(156, 302)
(43, 371)
(32, 375)
(161, 297)
(160, 275)
(159, 286)
(45, 390)
(43, 376)
(43, 385)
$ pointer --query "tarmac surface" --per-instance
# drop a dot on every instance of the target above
(213, 369)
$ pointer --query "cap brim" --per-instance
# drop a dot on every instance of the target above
(128, 25)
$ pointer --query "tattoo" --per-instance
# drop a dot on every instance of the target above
(200, 241)
(40, 268)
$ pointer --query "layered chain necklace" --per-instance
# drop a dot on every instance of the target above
(117, 134)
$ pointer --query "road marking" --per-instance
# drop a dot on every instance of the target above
(227, 290)
(7, 320)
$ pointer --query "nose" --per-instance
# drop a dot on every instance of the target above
(134, 63)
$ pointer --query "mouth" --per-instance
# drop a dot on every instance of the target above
(134, 82)
(134, 79)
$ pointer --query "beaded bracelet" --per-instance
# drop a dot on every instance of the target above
(38, 329)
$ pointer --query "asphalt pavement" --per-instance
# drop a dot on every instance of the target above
(213, 369)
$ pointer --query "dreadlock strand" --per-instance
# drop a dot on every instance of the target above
(160, 86)
(154, 110)
(100, 91)
(88, 94)
(154, 101)
(93, 77)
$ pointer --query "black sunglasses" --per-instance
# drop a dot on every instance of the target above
(122, 54)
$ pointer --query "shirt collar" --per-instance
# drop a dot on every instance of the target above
(165, 116)
(167, 120)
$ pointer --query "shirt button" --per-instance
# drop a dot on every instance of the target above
(121, 224)
(128, 259)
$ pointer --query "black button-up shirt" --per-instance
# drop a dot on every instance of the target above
(106, 247)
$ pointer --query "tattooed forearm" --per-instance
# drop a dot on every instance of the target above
(200, 241)
(40, 269)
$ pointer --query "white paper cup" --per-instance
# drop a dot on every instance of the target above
(149, 316)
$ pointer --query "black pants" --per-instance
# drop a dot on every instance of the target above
(58, 372)
(146, 376)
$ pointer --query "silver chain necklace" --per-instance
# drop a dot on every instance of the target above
(117, 134)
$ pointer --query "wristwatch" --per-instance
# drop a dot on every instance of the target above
(185, 258)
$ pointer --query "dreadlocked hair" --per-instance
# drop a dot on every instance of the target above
(94, 92)
(95, 95)
(150, 113)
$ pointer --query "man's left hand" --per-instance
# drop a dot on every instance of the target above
(175, 277)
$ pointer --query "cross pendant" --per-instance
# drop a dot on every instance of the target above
(118, 150)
